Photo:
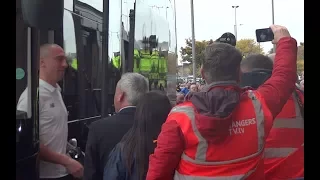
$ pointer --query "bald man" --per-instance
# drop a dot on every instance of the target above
(53, 117)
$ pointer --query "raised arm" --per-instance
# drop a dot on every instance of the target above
(278, 88)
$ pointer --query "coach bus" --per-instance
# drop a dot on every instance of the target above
(102, 39)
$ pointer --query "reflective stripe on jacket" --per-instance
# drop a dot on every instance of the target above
(284, 152)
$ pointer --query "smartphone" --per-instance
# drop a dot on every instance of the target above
(264, 35)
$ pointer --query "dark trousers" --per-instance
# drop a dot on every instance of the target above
(68, 177)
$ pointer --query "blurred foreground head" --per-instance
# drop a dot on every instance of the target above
(228, 38)
(256, 62)
(221, 63)
(256, 69)
(152, 111)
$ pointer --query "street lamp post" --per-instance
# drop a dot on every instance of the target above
(272, 11)
(167, 13)
(272, 3)
(182, 70)
(175, 30)
(193, 42)
(235, 21)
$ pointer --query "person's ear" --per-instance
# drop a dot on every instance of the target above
(202, 72)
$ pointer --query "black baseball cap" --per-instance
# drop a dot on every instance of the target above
(228, 38)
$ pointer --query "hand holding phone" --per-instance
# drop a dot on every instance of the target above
(274, 34)
(264, 35)
(279, 32)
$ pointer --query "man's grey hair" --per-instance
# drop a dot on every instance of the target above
(134, 85)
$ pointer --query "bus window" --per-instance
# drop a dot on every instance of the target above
(27, 128)
(97, 4)
(153, 35)
(156, 42)
(69, 40)
(82, 31)
(70, 85)
(92, 69)
(172, 53)
(68, 5)
(23, 66)
(114, 33)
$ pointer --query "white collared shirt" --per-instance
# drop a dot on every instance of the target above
(53, 125)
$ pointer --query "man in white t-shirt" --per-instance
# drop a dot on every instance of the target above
(53, 117)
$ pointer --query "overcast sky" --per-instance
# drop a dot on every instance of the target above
(213, 18)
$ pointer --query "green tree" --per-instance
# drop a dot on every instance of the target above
(198, 66)
(300, 66)
(300, 58)
(249, 46)
(301, 51)
(186, 53)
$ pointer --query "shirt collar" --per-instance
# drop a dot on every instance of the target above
(48, 86)
(126, 108)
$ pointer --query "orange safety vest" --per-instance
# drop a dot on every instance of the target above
(284, 152)
(240, 156)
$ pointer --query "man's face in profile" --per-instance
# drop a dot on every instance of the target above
(193, 88)
(54, 63)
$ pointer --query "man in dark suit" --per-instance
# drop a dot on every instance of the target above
(104, 134)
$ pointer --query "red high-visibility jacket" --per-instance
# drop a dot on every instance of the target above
(284, 151)
(217, 107)
(231, 159)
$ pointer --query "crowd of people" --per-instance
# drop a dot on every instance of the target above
(247, 122)
(185, 88)
(300, 83)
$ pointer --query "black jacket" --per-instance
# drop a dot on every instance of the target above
(103, 135)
